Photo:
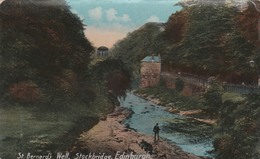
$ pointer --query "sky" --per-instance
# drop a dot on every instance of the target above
(108, 21)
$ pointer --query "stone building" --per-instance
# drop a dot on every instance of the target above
(150, 71)
(102, 51)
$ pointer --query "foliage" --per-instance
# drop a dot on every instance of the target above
(112, 76)
(25, 91)
(176, 27)
(179, 84)
(213, 98)
(202, 48)
(208, 40)
(42, 42)
(232, 97)
(171, 97)
(245, 23)
(223, 143)
(45, 77)
(237, 133)
(66, 82)
(238, 125)
(139, 44)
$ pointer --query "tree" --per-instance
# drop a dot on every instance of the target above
(179, 84)
(40, 41)
(213, 98)
(113, 76)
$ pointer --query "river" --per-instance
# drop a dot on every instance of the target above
(192, 136)
(28, 129)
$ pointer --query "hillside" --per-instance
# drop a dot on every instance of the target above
(45, 56)
(44, 52)
(44, 59)
(208, 41)
(138, 44)
(49, 93)
(205, 40)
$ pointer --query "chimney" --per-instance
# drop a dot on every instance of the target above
(152, 57)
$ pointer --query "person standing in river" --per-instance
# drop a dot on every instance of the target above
(156, 130)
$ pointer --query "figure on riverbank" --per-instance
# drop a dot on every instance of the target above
(156, 130)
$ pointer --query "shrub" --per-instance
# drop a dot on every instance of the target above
(67, 82)
(232, 97)
(213, 97)
(246, 125)
(117, 82)
(179, 84)
(113, 76)
(25, 91)
(238, 120)
(223, 142)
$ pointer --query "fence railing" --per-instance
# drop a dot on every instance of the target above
(205, 82)
(241, 89)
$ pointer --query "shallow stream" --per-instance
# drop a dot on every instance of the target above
(192, 136)
(30, 130)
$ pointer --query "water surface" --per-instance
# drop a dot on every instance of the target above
(192, 136)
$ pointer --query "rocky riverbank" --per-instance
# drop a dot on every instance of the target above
(196, 114)
(111, 137)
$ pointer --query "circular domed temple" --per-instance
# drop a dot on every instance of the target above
(102, 51)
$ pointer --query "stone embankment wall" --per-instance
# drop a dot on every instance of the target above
(195, 84)
(189, 89)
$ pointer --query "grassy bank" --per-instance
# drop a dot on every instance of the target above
(171, 98)
(40, 131)
(237, 132)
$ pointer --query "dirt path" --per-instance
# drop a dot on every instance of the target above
(109, 136)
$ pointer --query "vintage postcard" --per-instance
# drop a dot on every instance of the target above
(129, 79)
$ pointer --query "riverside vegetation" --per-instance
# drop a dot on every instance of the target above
(236, 133)
(50, 91)
(206, 40)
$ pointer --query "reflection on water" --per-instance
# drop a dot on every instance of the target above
(192, 136)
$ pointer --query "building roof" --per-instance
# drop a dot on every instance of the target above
(152, 59)
(103, 48)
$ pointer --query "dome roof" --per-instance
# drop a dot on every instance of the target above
(103, 48)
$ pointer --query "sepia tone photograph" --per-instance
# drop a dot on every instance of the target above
(129, 79)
